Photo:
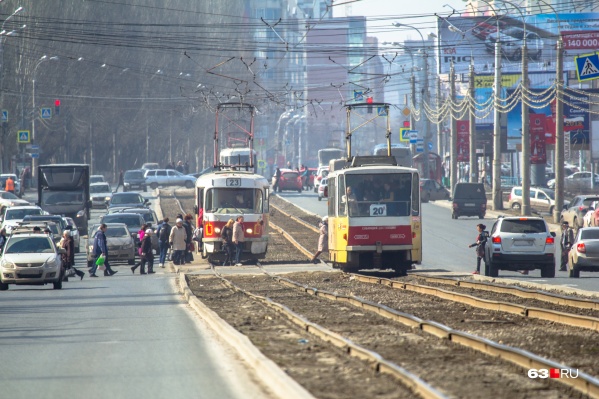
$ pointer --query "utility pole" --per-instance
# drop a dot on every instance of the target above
(440, 122)
(427, 134)
(472, 123)
(412, 118)
(558, 164)
(454, 133)
(497, 196)
(525, 211)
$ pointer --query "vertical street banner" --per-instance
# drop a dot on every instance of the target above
(538, 153)
(463, 128)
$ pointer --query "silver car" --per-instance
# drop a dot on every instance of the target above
(512, 40)
(584, 254)
(31, 259)
(99, 193)
(121, 247)
(168, 177)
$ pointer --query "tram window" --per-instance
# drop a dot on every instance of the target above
(415, 196)
(257, 201)
(332, 196)
(234, 201)
(341, 194)
(200, 198)
(266, 205)
(370, 195)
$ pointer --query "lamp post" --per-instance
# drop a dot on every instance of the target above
(39, 62)
(425, 98)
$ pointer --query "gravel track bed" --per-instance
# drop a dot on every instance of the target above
(454, 369)
(574, 347)
(494, 296)
(324, 370)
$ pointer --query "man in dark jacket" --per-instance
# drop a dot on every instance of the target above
(100, 248)
(188, 240)
(164, 232)
(277, 180)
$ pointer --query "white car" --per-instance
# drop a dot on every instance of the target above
(14, 215)
(99, 193)
(31, 259)
(580, 181)
(321, 173)
(168, 177)
(512, 41)
(96, 179)
(9, 199)
(321, 187)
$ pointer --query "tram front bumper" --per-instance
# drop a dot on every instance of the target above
(377, 248)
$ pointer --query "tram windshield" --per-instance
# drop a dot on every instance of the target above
(234, 200)
(379, 195)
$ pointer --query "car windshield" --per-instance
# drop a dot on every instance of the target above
(589, 234)
(17, 245)
(46, 218)
(589, 201)
(127, 199)
(99, 188)
(550, 193)
(7, 195)
(116, 232)
(12, 214)
(134, 174)
(62, 197)
(515, 33)
(131, 221)
(96, 179)
(523, 226)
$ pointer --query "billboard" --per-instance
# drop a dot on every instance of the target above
(462, 39)
(463, 130)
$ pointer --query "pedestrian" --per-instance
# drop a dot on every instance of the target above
(323, 239)
(305, 173)
(238, 239)
(147, 253)
(188, 237)
(227, 236)
(140, 235)
(68, 259)
(121, 181)
(481, 242)
(163, 231)
(100, 248)
(277, 180)
(2, 238)
(179, 167)
(565, 243)
(23, 181)
(177, 242)
(186, 167)
(197, 237)
(9, 185)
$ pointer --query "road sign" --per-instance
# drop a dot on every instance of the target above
(358, 95)
(261, 164)
(34, 146)
(23, 136)
(46, 113)
(381, 111)
(4, 115)
(420, 145)
(587, 67)
(406, 111)
(35, 155)
(413, 136)
(430, 146)
(404, 134)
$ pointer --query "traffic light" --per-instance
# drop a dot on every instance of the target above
(56, 107)
(406, 124)
(369, 101)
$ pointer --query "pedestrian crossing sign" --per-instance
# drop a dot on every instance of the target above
(4, 115)
(587, 67)
(23, 136)
(46, 113)
(404, 134)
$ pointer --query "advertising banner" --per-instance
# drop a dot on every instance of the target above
(538, 154)
(462, 39)
(463, 128)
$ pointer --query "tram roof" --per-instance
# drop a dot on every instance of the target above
(370, 169)
(221, 175)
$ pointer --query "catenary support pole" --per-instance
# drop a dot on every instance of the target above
(497, 196)
(472, 123)
(558, 164)
(454, 135)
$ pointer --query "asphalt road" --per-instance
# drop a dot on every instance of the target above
(126, 336)
(445, 243)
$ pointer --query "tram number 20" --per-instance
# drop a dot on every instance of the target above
(233, 182)
(378, 210)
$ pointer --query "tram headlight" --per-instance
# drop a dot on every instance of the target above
(217, 230)
(249, 231)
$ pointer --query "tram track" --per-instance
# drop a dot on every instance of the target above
(542, 336)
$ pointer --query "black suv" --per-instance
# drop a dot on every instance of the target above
(469, 199)
(134, 179)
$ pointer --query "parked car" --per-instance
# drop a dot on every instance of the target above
(431, 190)
(127, 200)
(321, 173)
(541, 199)
(168, 177)
(99, 193)
(520, 243)
(133, 221)
(9, 199)
(121, 246)
(31, 259)
(74, 233)
(469, 199)
(323, 188)
(4, 177)
(512, 41)
(574, 211)
(13, 215)
(584, 254)
(580, 181)
(96, 179)
(290, 180)
(134, 180)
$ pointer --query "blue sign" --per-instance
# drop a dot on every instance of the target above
(35, 155)
(23, 136)
(413, 136)
(430, 146)
(4, 115)
(358, 95)
(587, 67)
(381, 111)
(420, 145)
(46, 113)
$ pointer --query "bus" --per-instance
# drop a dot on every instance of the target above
(326, 155)
(402, 153)
(238, 158)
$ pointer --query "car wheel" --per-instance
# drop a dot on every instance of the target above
(124, 189)
(551, 210)
(574, 272)
(319, 198)
(481, 216)
(516, 206)
(3, 286)
(426, 198)
(548, 271)
(299, 191)
(189, 184)
(493, 270)
(454, 215)
(58, 285)
(487, 268)
(153, 186)
(145, 189)
(131, 261)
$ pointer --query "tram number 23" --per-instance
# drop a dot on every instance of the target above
(378, 210)
(233, 182)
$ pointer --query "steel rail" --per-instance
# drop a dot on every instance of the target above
(378, 363)
(296, 219)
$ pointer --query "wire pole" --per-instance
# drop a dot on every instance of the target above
(472, 123)
(558, 164)
(497, 196)
(525, 211)
(454, 135)
(440, 122)
(427, 134)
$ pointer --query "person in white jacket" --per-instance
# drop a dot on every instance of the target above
(238, 239)
(177, 241)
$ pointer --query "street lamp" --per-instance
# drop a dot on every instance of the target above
(43, 59)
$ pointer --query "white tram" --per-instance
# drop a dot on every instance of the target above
(224, 195)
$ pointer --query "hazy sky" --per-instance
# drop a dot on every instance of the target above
(382, 13)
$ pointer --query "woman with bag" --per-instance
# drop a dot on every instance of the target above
(147, 254)
(227, 236)
(323, 239)
(140, 234)
(197, 237)
(68, 258)
(481, 241)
